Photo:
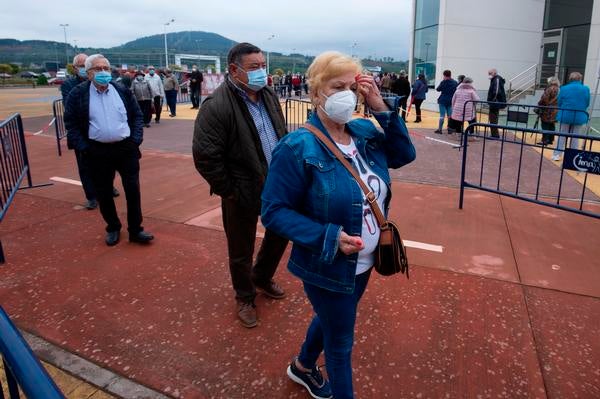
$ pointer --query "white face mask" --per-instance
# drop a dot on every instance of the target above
(340, 106)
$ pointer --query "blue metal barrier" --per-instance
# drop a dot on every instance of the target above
(14, 164)
(297, 113)
(59, 124)
(494, 172)
(22, 367)
(183, 95)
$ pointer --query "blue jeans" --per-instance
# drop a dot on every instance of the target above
(332, 329)
(444, 110)
(567, 128)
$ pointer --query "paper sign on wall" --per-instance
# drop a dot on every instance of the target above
(551, 54)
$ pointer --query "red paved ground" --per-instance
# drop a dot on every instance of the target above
(491, 316)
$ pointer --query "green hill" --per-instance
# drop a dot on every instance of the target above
(150, 50)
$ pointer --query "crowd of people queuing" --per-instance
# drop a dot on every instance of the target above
(303, 195)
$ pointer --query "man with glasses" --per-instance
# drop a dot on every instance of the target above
(104, 123)
(235, 132)
(84, 174)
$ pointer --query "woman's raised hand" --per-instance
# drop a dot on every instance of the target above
(368, 88)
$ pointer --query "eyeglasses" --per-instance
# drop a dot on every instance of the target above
(100, 68)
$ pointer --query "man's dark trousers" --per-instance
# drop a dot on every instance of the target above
(84, 175)
(494, 113)
(146, 107)
(157, 107)
(403, 106)
(195, 96)
(104, 160)
(240, 229)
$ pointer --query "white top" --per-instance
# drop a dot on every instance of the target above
(156, 85)
(108, 116)
(370, 228)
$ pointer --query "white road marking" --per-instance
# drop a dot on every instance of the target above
(442, 141)
(65, 180)
(423, 245)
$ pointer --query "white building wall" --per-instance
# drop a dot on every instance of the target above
(592, 65)
(476, 35)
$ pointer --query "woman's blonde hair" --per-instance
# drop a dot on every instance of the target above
(575, 76)
(553, 80)
(326, 66)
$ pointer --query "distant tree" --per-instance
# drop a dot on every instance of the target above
(42, 80)
(15, 69)
(5, 68)
(71, 69)
(175, 67)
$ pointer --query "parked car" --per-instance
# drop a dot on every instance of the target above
(29, 74)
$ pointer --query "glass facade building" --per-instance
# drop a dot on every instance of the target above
(426, 38)
(565, 37)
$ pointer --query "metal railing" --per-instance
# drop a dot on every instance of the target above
(183, 95)
(535, 77)
(516, 165)
(14, 164)
(21, 366)
(297, 113)
(58, 109)
(523, 83)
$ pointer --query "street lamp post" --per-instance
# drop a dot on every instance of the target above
(56, 55)
(294, 59)
(64, 26)
(268, 65)
(166, 53)
(352, 49)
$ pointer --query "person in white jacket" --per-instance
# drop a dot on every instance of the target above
(158, 91)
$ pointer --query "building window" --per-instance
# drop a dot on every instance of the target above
(561, 13)
(427, 13)
(570, 20)
(425, 39)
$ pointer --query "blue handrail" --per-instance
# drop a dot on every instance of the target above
(24, 366)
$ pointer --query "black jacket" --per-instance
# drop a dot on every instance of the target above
(227, 148)
(68, 85)
(496, 93)
(77, 115)
(197, 76)
(401, 87)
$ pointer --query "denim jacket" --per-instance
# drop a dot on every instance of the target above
(309, 197)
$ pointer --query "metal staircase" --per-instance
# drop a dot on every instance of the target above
(523, 84)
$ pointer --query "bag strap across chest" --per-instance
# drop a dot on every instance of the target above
(369, 194)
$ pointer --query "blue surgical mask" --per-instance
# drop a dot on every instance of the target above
(151, 72)
(257, 79)
(102, 77)
(82, 72)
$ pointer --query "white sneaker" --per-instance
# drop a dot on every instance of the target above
(556, 157)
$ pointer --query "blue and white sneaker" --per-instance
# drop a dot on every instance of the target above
(317, 386)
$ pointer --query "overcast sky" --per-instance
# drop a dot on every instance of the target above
(379, 27)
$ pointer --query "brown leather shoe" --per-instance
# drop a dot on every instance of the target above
(247, 314)
(271, 289)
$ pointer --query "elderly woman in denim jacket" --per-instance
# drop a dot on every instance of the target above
(312, 200)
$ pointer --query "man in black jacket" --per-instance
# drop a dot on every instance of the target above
(104, 123)
(497, 97)
(196, 79)
(401, 87)
(235, 132)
